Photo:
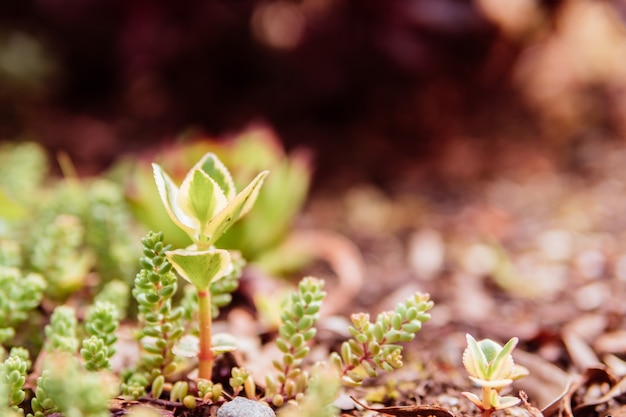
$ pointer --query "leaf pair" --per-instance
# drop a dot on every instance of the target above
(206, 204)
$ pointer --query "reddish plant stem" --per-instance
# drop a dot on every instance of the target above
(205, 353)
(487, 411)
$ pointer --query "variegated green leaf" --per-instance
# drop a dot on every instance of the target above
(215, 169)
(474, 359)
(502, 365)
(200, 268)
(200, 197)
(168, 191)
(473, 398)
(506, 402)
(491, 383)
(235, 208)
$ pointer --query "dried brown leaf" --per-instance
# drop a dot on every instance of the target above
(410, 410)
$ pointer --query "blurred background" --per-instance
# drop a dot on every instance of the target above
(449, 90)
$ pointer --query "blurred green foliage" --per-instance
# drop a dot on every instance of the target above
(62, 228)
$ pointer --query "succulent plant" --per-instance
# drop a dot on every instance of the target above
(374, 346)
(491, 367)
(298, 320)
(205, 206)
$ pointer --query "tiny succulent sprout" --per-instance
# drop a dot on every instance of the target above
(491, 367)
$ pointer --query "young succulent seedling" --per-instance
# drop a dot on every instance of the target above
(491, 367)
(374, 346)
(204, 206)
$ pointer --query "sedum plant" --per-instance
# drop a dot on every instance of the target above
(73, 391)
(61, 331)
(204, 207)
(116, 292)
(41, 403)
(491, 367)
(58, 255)
(298, 320)
(19, 295)
(155, 286)
(66, 229)
(374, 346)
(13, 372)
(101, 324)
(61, 342)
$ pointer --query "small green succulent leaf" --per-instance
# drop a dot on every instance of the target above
(492, 383)
(474, 359)
(200, 268)
(236, 208)
(490, 349)
(200, 196)
(502, 365)
(168, 191)
(215, 169)
(505, 402)
(473, 398)
(518, 372)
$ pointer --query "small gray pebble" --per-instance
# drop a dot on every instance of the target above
(243, 407)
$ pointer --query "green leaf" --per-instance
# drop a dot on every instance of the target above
(200, 197)
(502, 364)
(168, 191)
(10, 209)
(474, 360)
(200, 267)
(489, 348)
(215, 169)
(236, 208)
(506, 402)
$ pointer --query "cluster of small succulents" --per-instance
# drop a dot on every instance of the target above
(205, 206)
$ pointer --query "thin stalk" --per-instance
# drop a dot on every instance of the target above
(205, 354)
(487, 411)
